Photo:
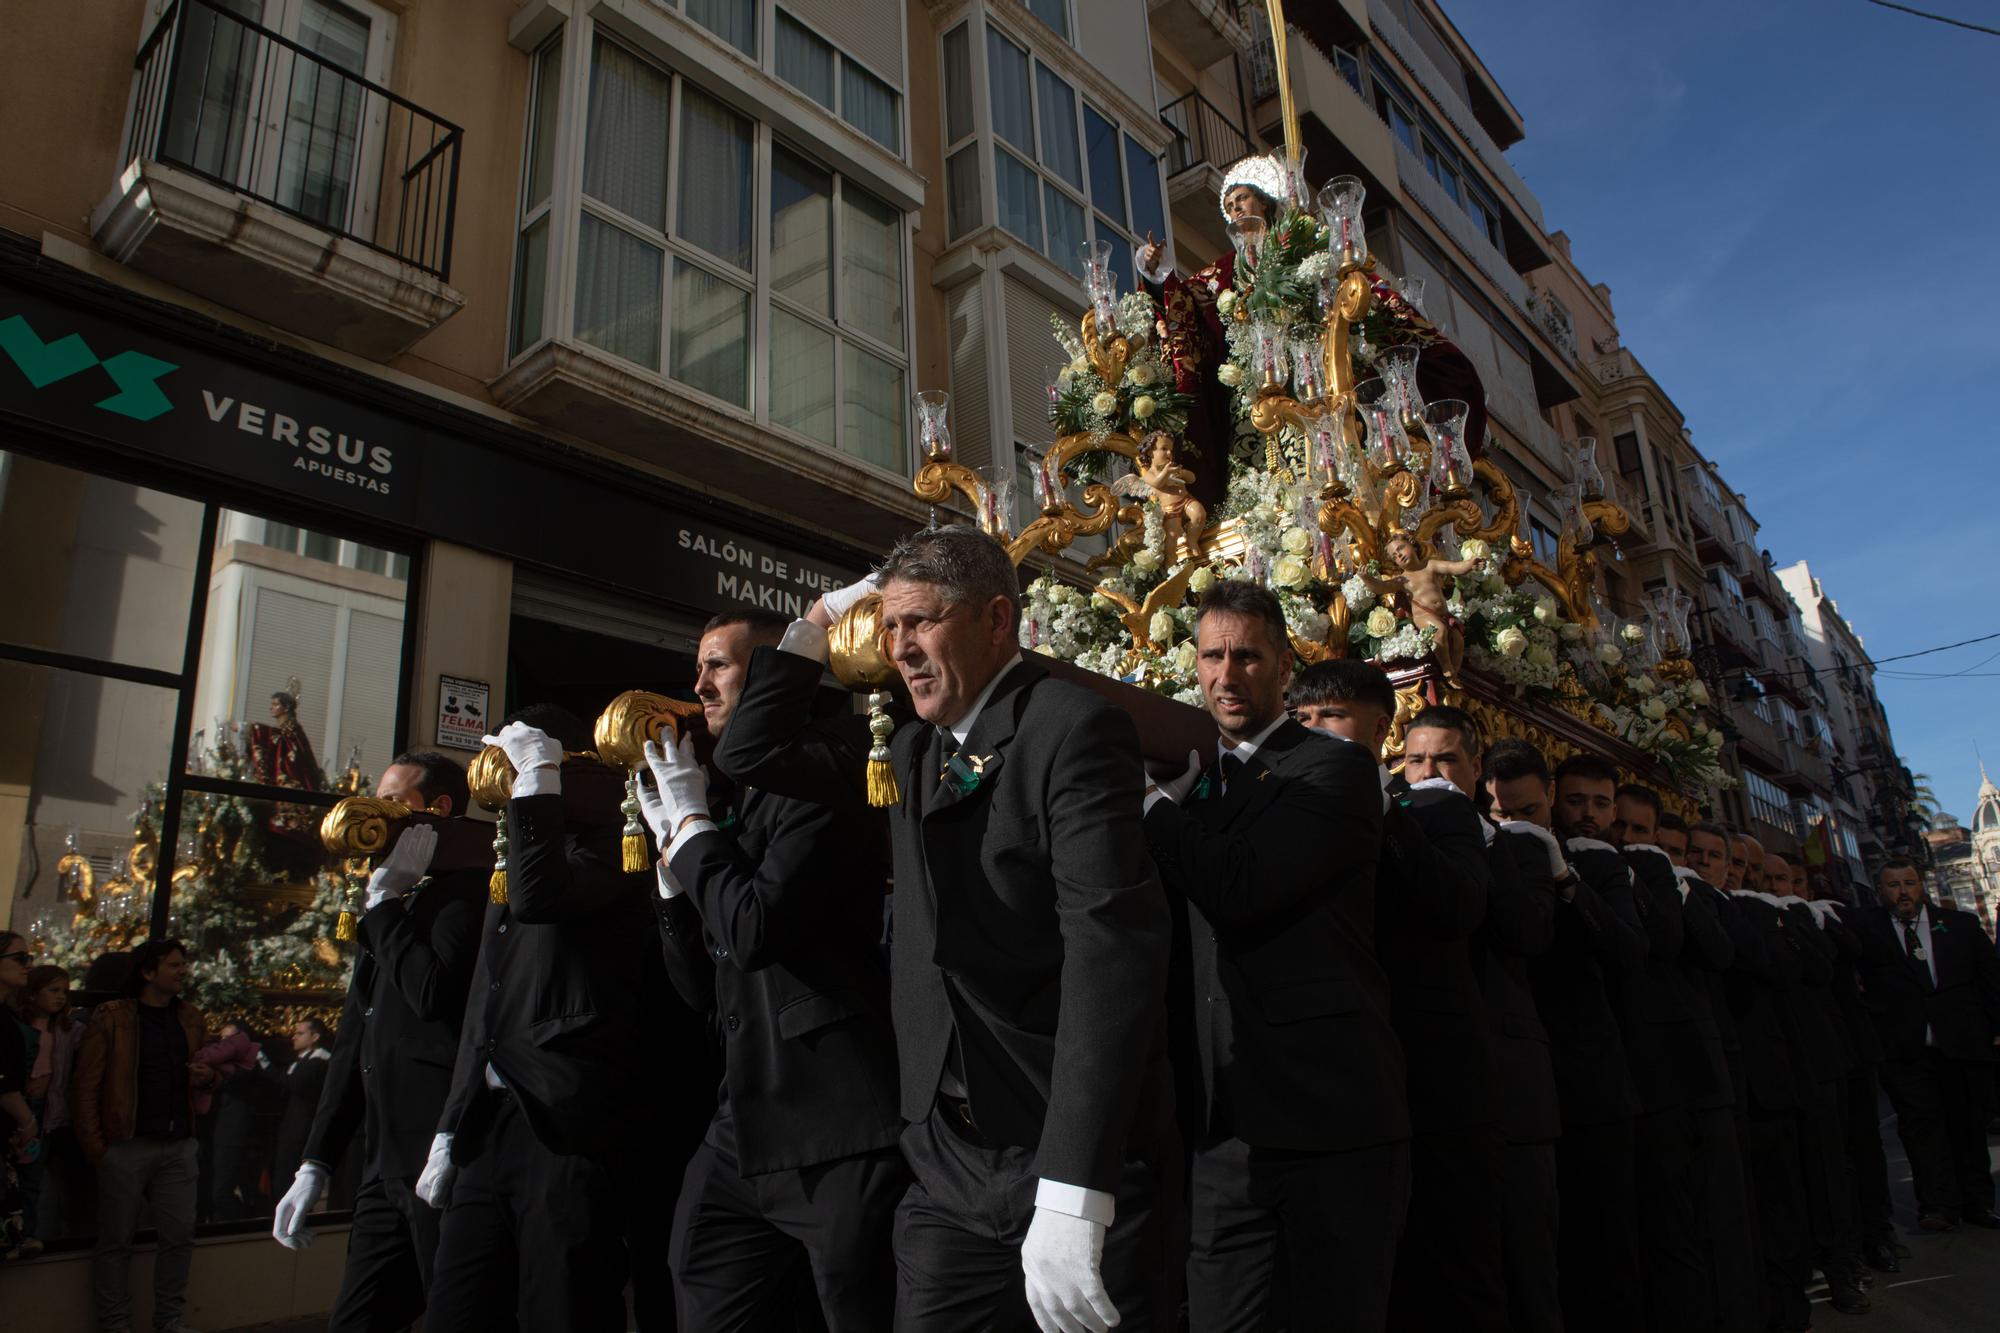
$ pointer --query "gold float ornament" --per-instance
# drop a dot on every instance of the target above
(490, 776)
(856, 652)
(357, 826)
(624, 729)
(74, 876)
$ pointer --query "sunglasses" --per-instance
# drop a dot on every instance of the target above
(21, 956)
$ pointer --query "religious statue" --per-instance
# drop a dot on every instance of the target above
(281, 755)
(1183, 517)
(1419, 579)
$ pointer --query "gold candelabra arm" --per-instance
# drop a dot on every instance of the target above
(1336, 512)
(938, 478)
(1352, 300)
(1168, 592)
(1108, 356)
(1462, 515)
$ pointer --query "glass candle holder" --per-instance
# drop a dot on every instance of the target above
(1102, 280)
(1671, 608)
(1451, 461)
(1524, 523)
(933, 427)
(1056, 379)
(996, 498)
(1575, 524)
(1267, 355)
(1308, 367)
(1387, 442)
(1583, 466)
(1247, 235)
(1413, 292)
(1324, 447)
(1046, 494)
(1399, 371)
(1340, 208)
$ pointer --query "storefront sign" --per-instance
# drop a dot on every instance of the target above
(463, 720)
(742, 572)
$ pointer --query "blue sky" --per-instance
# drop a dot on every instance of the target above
(1797, 208)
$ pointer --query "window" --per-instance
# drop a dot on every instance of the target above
(1440, 156)
(734, 21)
(831, 77)
(1627, 448)
(1063, 171)
(209, 850)
(775, 289)
(1394, 105)
(1767, 800)
(1726, 580)
(1055, 13)
(531, 261)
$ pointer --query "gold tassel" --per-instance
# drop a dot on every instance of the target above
(496, 887)
(882, 789)
(343, 926)
(635, 832)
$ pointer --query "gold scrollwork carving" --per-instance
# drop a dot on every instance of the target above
(634, 718)
(359, 825)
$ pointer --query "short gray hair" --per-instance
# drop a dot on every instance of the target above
(960, 561)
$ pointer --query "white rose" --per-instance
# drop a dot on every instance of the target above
(1184, 656)
(1099, 602)
(1289, 572)
(1143, 405)
(1656, 709)
(1511, 642)
(1296, 541)
(1226, 302)
(1381, 622)
(1473, 549)
(1143, 374)
(1104, 404)
(1161, 628)
(1700, 727)
(1201, 580)
(1571, 631)
(1078, 365)
(1541, 655)
(1715, 740)
(1698, 692)
(1229, 373)
(1644, 684)
(1545, 611)
(1634, 633)
(1609, 654)
(1146, 560)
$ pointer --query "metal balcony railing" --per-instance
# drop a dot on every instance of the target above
(1202, 135)
(259, 114)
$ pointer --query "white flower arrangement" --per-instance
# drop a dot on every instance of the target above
(1315, 266)
(1135, 315)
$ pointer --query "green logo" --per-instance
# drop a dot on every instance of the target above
(136, 374)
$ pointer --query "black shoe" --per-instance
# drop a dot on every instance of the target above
(1880, 1257)
(1897, 1248)
(1934, 1221)
(1983, 1217)
(1842, 1292)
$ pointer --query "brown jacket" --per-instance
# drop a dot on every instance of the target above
(104, 1091)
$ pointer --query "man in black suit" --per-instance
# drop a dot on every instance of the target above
(1431, 886)
(536, 1155)
(1931, 981)
(1518, 928)
(1598, 940)
(1028, 964)
(300, 1084)
(1303, 1168)
(770, 914)
(387, 1077)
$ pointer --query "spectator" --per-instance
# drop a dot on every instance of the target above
(22, 1135)
(50, 1032)
(241, 1107)
(312, 1051)
(132, 1100)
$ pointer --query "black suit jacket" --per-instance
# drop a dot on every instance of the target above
(1598, 936)
(302, 1083)
(1707, 952)
(1828, 1051)
(1430, 896)
(1291, 1006)
(398, 1035)
(1962, 1009)
(1030, 927)
(569, 999)
(1855, 1022)
(1762, 978)
(1520, 927)
(1673, 1064)
(777, 933)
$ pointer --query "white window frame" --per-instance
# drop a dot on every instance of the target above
(839, 110)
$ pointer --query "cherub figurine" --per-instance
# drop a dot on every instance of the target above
(1183, 517)
(1420, 579)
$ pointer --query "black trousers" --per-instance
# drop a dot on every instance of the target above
(1530, 1223)
(1823, 1169)
(1783, 1242)
(1597, 1256)
(1673, 1258)
(391, 1244)
(965, 1213)
(742, 1246)
(1867, 1164)
(1722, 1216)
(1294, 1239)
(1940, 1117)
(530, 1231)
(1449, 1270)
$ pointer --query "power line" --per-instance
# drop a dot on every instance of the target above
(1876, 662)
(1937, 18)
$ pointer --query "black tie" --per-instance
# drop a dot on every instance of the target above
(1232, 769)
(1914, 949)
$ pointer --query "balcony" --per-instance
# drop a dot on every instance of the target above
(1339, 130)
(1204, 31)
(1205, 144)
(272, 180)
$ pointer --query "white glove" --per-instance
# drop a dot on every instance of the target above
(536, 756)
(1437, 784)
(1557, 865)
(1062, 1259)
(683, 786)
(1177, 789)
(434, 1185)
(288, 1224)
(841, 600)
(654, 810)
(1590, 845)
(403, 866)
